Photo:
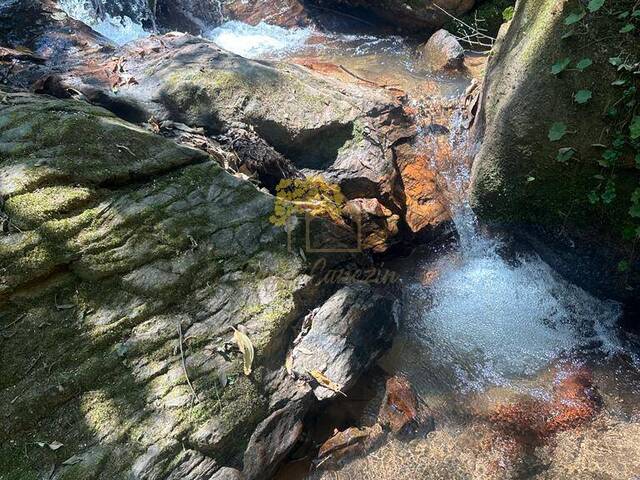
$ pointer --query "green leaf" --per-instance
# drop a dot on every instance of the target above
(583, 96)
(608, 158)
(557, 131)
(595, 5)
(565, 154)
(560, 66)
(636, 14)
(593, 197)
(567, 34)
(619, 83)
(634, 128)
(599, 177)
(635, 196)
(623, 266)
(638, 161)
(584, 64)
(615, 61)
(531, 179)
(507, 14)
(634, 211)
(609, 193)
(573, 18)
(623, 15)
(628, 28)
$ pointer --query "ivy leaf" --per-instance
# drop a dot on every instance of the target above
(608, 158)
(560, 66)
(609, 193)
(628, 28)
(583, 96)
(634, 128)
(584, 64)
(565, 154)
(595, 5)
(507, 14)
(623, 266)
(573, 18)
(557, 131)
(593, 197)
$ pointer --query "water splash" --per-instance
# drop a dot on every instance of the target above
(259, 41)
(119, 30)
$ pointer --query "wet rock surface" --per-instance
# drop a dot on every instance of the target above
(443, 51)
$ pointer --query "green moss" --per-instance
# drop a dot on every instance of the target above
(44, 203)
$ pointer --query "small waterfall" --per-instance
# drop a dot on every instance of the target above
(488, 320)
(119, 30)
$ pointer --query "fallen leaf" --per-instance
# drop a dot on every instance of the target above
(246, 347)
(326, 382)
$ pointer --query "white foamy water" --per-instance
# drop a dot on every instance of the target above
(259, 41)
(119, 30)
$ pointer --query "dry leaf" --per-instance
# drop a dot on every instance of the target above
(326, 382)
(246, 347)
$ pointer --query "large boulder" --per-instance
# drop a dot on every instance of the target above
(126, 262)
(345, 131)
(556, 194)
(420, 15)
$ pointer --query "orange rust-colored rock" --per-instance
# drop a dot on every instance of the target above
(348, 443)
(575, 401)
(400, 406)
(425, 202)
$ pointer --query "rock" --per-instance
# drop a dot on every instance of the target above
(227, 473)
(442, 52)
(116, 237)
(284, 13)
(192, 16)
(377, 225)
(519, 184)
(411, 16)
(346, 444)
(347, 133)
(400, 407)
(343, 338)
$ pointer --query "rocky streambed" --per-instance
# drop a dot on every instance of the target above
(244, 250)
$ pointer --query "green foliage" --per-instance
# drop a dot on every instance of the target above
(583, 64)
(620, 142)
(557, 131)
(560, 66)
(595, 5)
(583, 96)
(507, 14)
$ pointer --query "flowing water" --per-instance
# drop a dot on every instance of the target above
(498, 347)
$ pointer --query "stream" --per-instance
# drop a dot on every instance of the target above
(489, 330)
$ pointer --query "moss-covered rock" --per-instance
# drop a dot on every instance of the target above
(126, 262)
(518, 180)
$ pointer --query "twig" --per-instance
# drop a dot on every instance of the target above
(475, 30)
(184, 363)
(7, 327)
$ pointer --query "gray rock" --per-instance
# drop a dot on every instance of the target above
(342, 338)
(442, 52)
